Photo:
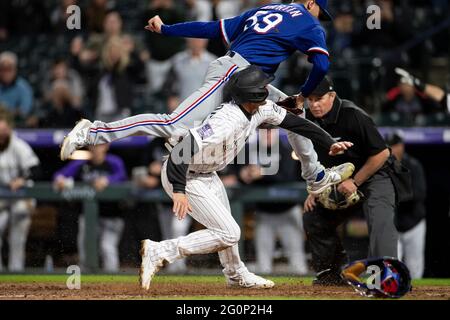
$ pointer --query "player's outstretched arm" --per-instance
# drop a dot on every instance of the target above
(315, 133)
(193, 29)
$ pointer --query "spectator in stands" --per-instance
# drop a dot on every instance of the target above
(86, 60)
(282, 220)
(61, 71)
(96, 13)
(19, 166)
(161, 48)
(408, 103)
(15, 92)
(187, 71)
(113, 28)
(87, 57)
(101, 170)
(60, 111)
(410, 218)
(431, 91)
(114, 96)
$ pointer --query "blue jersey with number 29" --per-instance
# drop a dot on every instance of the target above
(269, 35)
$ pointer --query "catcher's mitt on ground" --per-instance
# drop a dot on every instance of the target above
(290, 104)
(390, 277)
(332, 199)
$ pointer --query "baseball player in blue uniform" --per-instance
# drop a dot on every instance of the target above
(265, 37)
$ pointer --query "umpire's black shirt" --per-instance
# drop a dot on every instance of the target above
(347, 122)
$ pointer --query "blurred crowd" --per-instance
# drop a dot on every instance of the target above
(50, 76)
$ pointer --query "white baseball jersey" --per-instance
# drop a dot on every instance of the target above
(224, 133)
(221, 136)
(16, 160)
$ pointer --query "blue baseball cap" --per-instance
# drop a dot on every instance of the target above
(324, 14)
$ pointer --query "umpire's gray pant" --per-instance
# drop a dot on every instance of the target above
(193, 110)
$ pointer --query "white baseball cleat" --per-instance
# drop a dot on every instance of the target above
(332, 176)
(247, 279)
(150, 264)
(76, 139)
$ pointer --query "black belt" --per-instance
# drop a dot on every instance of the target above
(231, 54)
(195, 172)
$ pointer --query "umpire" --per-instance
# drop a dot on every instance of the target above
(343, 120)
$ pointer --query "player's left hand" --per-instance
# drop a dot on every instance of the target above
(347, 187)
(154, 24)
(181, 205)
(339, 147)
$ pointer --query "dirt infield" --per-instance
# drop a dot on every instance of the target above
(108, 291)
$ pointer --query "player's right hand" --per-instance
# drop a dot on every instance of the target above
(154, 24)
(181, 205)
(293, 104)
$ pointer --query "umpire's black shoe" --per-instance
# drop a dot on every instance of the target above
(328, 277)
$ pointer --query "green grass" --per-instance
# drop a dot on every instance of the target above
(90, 278)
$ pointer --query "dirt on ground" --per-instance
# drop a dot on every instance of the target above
(109, 291)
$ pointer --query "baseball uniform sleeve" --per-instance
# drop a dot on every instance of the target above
(314, 45)
(27, 157)
(227, 29)
(195, 29)
(118, 172)
(271, 113)
(312, 41)
(178, 162)
(307, 129)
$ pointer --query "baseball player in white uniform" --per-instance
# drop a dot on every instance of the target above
(189, 177)
(297, 28)
(18, 164)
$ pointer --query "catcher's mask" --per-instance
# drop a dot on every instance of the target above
(249, 85)
(332, 199)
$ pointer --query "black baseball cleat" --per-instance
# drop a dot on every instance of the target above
(328, 277)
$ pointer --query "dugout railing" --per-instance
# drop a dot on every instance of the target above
(238, 196)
